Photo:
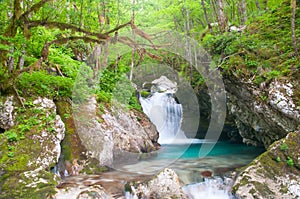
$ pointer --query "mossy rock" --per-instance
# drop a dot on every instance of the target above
(267, 175)
(28, 152)
(72, 147)
(145, 94)
(18, 185)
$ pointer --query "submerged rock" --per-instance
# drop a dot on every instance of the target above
(274, 174)
(164, 185)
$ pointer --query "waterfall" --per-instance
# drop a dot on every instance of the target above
(166, 114)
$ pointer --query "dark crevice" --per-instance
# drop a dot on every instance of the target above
(2, 130)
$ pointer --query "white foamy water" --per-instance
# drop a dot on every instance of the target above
(214, 188)
(166, 114)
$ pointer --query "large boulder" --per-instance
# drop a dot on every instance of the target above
(165, 185)
(163, 84)
(274, 174)
(104, 130)
(30, 149)
(88, 192)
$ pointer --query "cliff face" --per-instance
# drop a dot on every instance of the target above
(262, 116)
(261, 76)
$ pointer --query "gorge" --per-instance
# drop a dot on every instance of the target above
(149, 99)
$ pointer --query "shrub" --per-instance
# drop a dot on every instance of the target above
(41, 84)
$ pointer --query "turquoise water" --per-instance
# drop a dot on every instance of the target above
(192, 151)
(203, 175)
(189, 164)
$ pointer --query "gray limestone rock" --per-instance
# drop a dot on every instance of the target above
(6, 113)
(262, 116)
(163, 84)
(164, 185)
(114, 129)
(274, 174)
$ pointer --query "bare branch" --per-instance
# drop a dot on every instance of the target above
(118, 28)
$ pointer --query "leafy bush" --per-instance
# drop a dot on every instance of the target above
(114, 85)
(41, 84)
(62, 57)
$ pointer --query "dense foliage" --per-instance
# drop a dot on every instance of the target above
(44, 44)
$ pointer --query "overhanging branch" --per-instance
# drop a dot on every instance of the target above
(65, 26)
(118, 28)
(45, 50)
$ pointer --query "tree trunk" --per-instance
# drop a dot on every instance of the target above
(222, 17)
(21, 60)
(68, 11)
(243, 11)
(132, 34)
(206, 17)
(233, 11)
(81, 14)
(214, 7)
(188, 42)
(293, 7)
(11, 61)
(95, 60)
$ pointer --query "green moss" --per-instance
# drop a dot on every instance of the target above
(283, 189)
(145, 94)
(263, 52)
(15, 186)
(93, 167)
(26, 149)
(263, 189)
(72, 147)
(267, 165)
(244, 181)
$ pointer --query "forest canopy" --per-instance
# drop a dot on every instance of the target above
(60, 36)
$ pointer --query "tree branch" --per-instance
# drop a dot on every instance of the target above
(45, 50)
(118, 28)
(64, 26)
(34, 8)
